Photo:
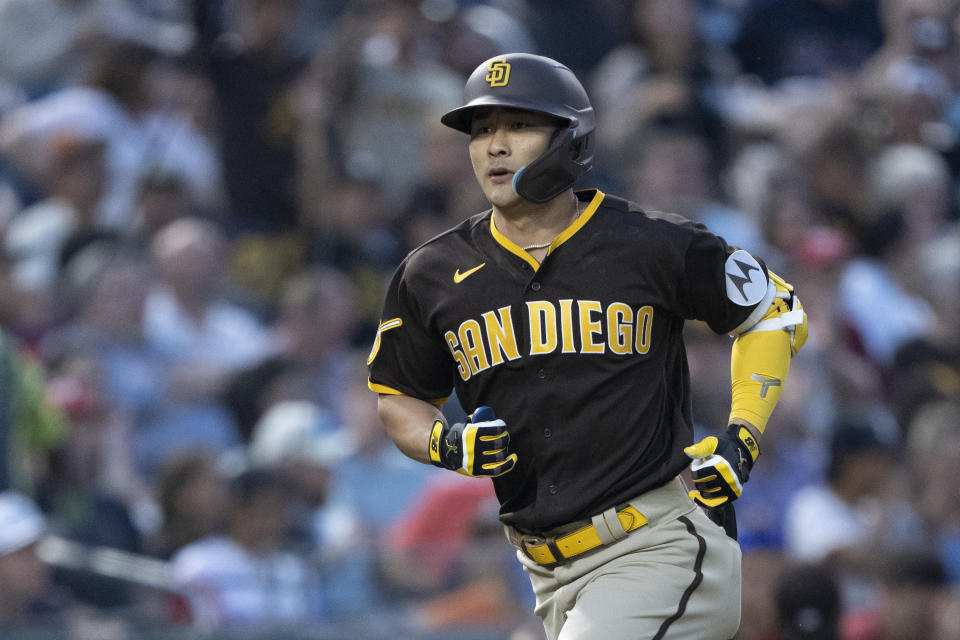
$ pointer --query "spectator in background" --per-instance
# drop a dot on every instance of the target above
(255, 57)
(45, 44)
(376, 481)
(349, 232)
(898, 315)
(913, 591)
(910, 103)
(423, 546)
(579, 42)
(162, 197)
(916, 29)
(933, 444)
(914, 183)
(377, 486)
(940, 264)
(244, 578)
(188, 316)
(82, 493)
(183, 125)
(72, 187)
(299, 439)
(839, 163)
(915, 180)
(30, 427)
(314, 326)
(855, 515)
(807, 38)
(114, 103)
(927, 372)
(251, 391)
(101, 297)
(675, 168)
(663, 74)
(203, 337)
(809, 606)
(835, 156)
(192, 497)
(27, 594)
(762, 565)
(447, 548)
(390, 81)
(480, 30)
(353, 235)
(253, 60)
(766, 184)
(446, 192)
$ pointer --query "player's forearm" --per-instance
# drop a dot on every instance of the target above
(759, 365)
(409, 422)
(760, 360)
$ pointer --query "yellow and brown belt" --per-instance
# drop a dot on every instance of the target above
(602, 530)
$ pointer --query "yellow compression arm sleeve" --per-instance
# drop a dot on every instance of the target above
(759, 365)
(760, 360)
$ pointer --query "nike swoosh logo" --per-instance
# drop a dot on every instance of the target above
(460, 277)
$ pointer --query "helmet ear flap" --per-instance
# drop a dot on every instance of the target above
(565, 160)
(581, 151)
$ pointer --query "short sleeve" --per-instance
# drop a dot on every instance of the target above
(722, 285)
(407, 357)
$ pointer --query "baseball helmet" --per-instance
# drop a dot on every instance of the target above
(535, 83)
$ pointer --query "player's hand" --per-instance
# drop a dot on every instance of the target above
(476, 448)
(721, 465)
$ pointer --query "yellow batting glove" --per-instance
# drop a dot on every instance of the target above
(476, 448)
(721, 465)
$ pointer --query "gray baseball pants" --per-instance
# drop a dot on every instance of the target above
(676, 577)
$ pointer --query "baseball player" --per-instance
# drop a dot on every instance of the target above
(557, 317)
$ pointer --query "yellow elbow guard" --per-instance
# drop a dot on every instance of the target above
(761, 355)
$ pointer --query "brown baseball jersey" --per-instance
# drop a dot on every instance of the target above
(582, 355)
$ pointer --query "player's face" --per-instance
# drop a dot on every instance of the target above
(503, 141)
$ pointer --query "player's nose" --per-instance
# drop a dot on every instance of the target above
(498, 145)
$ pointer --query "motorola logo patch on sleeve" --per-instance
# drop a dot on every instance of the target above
(746, 282)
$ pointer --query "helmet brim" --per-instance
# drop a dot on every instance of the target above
(461, 118)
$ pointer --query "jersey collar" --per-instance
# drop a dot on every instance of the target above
(565, 235)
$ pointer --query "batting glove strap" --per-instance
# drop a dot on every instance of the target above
(721, 465)
(473, 448)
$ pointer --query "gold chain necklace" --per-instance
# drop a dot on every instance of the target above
(534, 247)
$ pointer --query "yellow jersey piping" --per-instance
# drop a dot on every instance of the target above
(390, 391)
(564, 235)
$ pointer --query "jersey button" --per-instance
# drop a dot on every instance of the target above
(541, 373)
(535, 286)
(547, 432)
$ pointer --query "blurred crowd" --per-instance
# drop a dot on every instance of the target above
(201, 202)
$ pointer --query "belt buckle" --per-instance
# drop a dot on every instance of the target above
(531, 540)
(527, 541)
(549, 555)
